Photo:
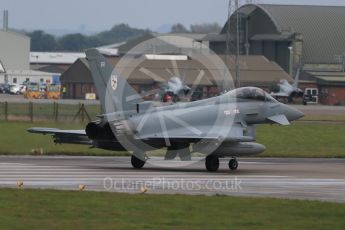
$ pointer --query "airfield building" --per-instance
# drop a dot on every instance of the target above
(296, 36)
(255, 70)
(287, 36)
(14, 58)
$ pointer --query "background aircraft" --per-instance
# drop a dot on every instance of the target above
(222, 126)
(175, 89)
(285, 90)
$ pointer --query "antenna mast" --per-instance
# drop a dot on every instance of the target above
(233, 27)
(237, 81)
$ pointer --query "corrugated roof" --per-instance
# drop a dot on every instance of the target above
(164, 43)
(330, 79)
(322, 28)
(253, 69)
(327, 77)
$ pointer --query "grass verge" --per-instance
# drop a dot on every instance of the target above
(48, 209)
(297, 140)
(15, 140)
(303, 140)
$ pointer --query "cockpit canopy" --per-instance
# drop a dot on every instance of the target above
(251, 93)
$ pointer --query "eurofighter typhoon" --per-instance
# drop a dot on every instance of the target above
(218, 127)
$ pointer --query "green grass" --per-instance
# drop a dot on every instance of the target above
(45, 112)
(16, 140)
(303, 140)
(296, 140)
(47, 209)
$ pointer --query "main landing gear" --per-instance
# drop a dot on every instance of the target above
(212, 163)
(137, 163)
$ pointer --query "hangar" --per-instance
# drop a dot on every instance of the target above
(295, 36)
(288, 35)
(255, 71)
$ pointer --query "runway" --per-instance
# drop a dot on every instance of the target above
(314, 179)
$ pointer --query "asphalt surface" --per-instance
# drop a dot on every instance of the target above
(314, 179)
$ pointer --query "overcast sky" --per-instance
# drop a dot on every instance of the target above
(98, 15)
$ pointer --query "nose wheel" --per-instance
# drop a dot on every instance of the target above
(233, 164)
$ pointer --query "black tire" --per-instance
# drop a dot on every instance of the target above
(137, 163)
(212, 163)
(233, 164)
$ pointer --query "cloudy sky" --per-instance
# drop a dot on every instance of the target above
(87, 15)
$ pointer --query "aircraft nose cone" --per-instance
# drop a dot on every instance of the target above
(292, 113)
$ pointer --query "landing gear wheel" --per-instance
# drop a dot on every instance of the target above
(171, 153)
(212, 163)
(233, 164)
(137, 163)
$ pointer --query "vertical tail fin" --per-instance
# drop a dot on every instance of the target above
(109, 84)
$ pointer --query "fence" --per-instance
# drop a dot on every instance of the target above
(54, 111)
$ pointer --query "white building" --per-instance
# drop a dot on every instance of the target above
(21, 76)
(15, 58)
(14, 50)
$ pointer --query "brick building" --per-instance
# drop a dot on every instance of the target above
(150, 74)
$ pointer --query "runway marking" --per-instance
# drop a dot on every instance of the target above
(1, 163)
(69, 172)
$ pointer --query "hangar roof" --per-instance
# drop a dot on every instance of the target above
(331, 79)
(256, 70)
(322, 27)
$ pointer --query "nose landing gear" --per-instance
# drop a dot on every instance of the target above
(233, 164)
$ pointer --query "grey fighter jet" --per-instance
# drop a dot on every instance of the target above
(222, 126)
(174, 89)
(285, 90)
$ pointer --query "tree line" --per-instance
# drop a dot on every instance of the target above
(44, 42)
(41, 41)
